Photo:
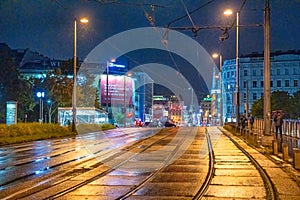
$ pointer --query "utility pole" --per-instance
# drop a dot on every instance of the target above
(267, 93)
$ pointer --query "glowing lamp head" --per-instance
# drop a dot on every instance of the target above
(228, 12)
(84, 20)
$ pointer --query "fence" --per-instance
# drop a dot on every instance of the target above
(290, 133)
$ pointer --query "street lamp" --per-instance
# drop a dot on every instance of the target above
(82, 20)
(230, 12)
(41, 95)
(215, 55)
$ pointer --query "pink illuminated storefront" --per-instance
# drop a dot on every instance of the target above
(120, 90)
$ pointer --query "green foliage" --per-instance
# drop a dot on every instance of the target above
(9, 84)
(86, 89)
(258, 108)
(90, 128)
(119, 117)
(280, 100)
(24, 132)
(107, 126)
(295, 110)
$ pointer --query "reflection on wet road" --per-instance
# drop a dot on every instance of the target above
(40, 160)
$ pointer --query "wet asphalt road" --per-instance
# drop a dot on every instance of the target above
(35, 162)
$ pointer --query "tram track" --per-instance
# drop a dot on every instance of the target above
(193, 163)
(208, 188)
(18, 187)
(144, 179)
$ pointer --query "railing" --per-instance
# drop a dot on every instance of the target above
(290, 133)
(288, 146)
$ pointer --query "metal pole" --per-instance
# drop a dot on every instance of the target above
(221, 92)
(107, 66)
(40, 110)
(237, 72)
(124, 101)
(42, 115)
(267, 93)
(74, 82)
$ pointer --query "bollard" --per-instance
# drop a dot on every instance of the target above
(296, 158)
(275, 147)
(285, 152)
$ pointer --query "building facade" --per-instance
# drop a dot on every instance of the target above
(285, 76)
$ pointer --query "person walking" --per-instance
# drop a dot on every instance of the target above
(278, 125)
(251, 120)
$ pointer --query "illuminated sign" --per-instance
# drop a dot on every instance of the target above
(116, 65)
(11, 112)
(118, 86)
(207, 99)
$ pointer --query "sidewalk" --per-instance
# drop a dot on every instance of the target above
(285, 178)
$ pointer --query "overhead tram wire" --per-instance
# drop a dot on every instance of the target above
(187, 12)
(127, 3)
(186, 15)
(164, 40)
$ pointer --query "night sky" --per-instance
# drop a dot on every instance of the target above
(47, 26)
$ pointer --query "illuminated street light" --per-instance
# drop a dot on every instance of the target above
(215, 55)
(82, 20)
(41, 95)
(230, 12)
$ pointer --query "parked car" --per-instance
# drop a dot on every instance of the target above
(169, 124)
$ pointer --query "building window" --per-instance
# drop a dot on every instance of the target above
(295, 83)
(286, 71)
(228, 99)
(244, 96)
(254, 96)
(261, 83)
(245, 72)
(245, 84)
(278, 71)
(254, 84)
(228, 109)
(232, 73)
(271, 84)
(228, 74)
(287, 83)
(278, 83)
(254, 72)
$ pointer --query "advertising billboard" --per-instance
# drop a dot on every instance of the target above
(11, 112)
(118, 86)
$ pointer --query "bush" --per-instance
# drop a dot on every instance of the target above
(24, 132)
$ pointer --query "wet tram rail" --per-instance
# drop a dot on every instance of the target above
(33, 166)
(234, 173)
(182, 163)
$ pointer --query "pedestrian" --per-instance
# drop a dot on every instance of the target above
(243, 122)
(251, 120)
(278, 125)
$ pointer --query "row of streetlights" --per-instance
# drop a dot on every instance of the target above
(228, 12)
(267, 98)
